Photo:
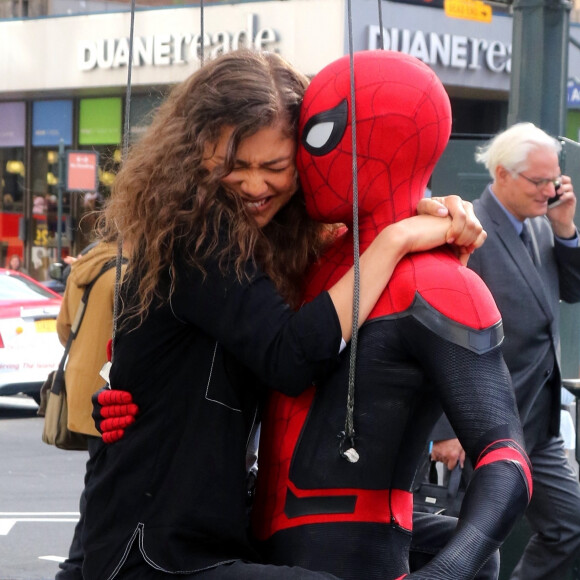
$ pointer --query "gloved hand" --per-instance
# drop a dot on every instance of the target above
(113, 412)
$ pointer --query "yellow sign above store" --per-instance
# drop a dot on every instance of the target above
(468, 10)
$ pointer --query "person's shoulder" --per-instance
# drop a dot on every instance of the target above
(90, 266)
(481, 204)
(490, 214)
(434, 287)
(460, 294)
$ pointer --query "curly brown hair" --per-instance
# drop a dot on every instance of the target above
(164, 202)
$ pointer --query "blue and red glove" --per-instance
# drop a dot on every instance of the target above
(113, 412)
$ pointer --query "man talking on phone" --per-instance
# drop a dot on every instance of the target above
(531, 261)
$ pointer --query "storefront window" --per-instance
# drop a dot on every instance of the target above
(91, 202)
(143, 107)
(12, 178)
(12, 172)
(100, 130)
(51, 133)
(44, 211)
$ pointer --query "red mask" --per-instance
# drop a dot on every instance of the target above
(403, 122)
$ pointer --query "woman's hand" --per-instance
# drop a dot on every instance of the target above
(418, 233)
(465, 232)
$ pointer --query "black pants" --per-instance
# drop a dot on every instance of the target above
(553, 514)
(71, 568)
(430, 534)
(135, 568)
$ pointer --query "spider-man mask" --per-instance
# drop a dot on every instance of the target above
(403, 121)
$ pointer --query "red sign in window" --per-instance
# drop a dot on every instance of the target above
(82, 171)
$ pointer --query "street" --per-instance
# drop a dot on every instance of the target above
(39, 492)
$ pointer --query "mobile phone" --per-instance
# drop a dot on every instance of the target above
(556, 201)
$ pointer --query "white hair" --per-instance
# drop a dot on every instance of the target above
(511, 148)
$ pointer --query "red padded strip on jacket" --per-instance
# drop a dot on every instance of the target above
(507, 454)
(383, 505)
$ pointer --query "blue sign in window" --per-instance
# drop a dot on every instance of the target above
(573, 94)
(12, 124)
(51, 122)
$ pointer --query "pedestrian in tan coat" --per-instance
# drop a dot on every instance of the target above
(87, 355)
(88, 350)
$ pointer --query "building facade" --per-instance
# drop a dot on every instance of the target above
(63, 86)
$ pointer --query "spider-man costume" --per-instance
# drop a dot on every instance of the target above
(432, 341)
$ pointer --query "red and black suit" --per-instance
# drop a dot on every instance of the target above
(432, 341)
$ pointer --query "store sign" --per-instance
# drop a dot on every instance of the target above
(82, 171)
(100, 121)
(573, 100)
(446, 50)
(171, 49)
(13, 124)
(468, 10)
(52, 122)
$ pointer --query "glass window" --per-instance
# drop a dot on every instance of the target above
(143, 107)
(44, 203)
(12, 173)
(89, 203)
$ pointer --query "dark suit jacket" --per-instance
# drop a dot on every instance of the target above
(528, 299)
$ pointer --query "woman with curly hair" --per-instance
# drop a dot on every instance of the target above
(209, 207)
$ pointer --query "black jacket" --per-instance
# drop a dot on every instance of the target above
(196, 367)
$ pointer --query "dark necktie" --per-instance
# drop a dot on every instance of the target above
(527, 240)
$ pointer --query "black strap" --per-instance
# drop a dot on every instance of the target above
(58, 382)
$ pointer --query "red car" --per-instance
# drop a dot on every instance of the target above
(29, 345)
